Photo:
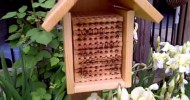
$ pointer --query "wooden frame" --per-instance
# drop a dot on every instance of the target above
(73, 87)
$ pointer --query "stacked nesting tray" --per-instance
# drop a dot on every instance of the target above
(97, 46)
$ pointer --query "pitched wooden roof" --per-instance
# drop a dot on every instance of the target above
(142, 8)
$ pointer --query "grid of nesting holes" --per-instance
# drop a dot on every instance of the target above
(97, 48)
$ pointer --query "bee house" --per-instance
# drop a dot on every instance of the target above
(98, 40)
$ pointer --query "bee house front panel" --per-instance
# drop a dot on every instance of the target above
(98, 50)
(97, 46)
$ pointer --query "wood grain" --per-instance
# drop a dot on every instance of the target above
(127, 45)
(67, 33)
(57, 12)
(142, 8)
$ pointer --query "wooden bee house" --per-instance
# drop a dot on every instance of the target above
(98, 40)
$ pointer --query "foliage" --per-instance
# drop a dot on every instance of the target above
(39, 73)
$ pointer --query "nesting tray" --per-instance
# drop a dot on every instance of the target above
(97, 46)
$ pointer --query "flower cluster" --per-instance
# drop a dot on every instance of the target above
(138, 93)
(175, 58)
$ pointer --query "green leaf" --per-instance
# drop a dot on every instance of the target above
(62, 64)
(44, 38)
(36, 96)
(48, 4)
(22, 9)
(35, 5)
(40, 1)
(19, 80)
(12, 90)
(54, 44)
(5, 69)
(47, 75)
(17, 64)
(36, 85)
(9, 15)
(41, 91)
(33, 50)
(13, 28)
(40, 13)
(47, 97)
(41, 37)
(21, 15)
(43, 54)
(26, 49)
(29, 61)
(54, 61)
(60, 36)
(14, 36)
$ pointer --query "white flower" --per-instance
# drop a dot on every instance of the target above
(159, 60)
(176, 98)
(167, 47)
(147, 95)
(114, 98)
(160, 64)
(187, 70)
(94, 96)
(124, 94)
(137, 92)
(182, 87)
(185, 81)
(167, 70)
(135, 36)
(187, 50)
(182, 69)
(154, 87)
(184, 97)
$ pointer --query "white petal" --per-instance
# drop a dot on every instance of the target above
(114, 98)
(187, 70)
(160, 64)
(184, 97)
(135, 36)
(154, 87)
(124, 94)
(182, 69)
(94, 96)
(147, 95)
(167, 70)
(185, 81)
(187, 50)
(170, 61)
(166, 46)
(137, 92)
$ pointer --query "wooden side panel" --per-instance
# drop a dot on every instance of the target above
(68, 53)
(56, 14)
(127, 45)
